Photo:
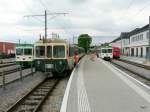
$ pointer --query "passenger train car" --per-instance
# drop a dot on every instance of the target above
(24, 55)
(116, 52)
(106, 52)
(55, 55)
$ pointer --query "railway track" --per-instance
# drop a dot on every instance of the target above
(7, 65)
(135, 64)
(33, 100)
(133, 73)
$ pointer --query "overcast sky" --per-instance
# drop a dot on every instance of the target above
(104, 19)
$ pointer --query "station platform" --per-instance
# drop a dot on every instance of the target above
(98, 86)
(139, 60)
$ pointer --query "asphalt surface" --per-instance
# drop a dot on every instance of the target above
(98, 87)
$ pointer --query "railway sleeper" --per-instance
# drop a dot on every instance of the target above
(26, 109)
(44, 87)
(42, 90)
(31, 102)
(35, 98)
(38, 94)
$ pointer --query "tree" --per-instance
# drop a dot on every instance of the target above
(84, 40)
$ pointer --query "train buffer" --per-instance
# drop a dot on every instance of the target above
(98, 86)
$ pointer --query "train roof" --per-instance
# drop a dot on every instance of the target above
(106, 46)
(53, 40)
(24, 45)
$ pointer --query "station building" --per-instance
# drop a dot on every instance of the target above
(134, 43)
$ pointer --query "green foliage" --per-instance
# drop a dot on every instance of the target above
(84, 40)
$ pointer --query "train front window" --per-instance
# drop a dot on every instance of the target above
(104, 50)
(49, 51)
(28, 51)
(19, 51)
(109, 50)
(59, 51)
(40, 51)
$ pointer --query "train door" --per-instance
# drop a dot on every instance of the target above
(71, 57)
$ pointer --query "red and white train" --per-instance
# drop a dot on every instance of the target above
(116, 52)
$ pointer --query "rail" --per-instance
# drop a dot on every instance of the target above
(132, 71)
(34, 99)
(136, 64)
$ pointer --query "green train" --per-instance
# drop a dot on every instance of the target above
(56, 56)
(24, 55)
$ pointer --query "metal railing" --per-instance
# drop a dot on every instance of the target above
(8, 72)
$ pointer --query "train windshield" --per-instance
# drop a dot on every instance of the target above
(109, 50)
(19, 51)
(28, 51)
(49, 51)
(106, 50)
(40, 51)
(59, 51)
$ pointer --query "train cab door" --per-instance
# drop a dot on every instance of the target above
(71, 57)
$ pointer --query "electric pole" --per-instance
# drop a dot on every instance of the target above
(45, 24)
(45, 15)
(149, 41)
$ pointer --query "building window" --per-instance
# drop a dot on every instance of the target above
(142, 36)
(147, 35)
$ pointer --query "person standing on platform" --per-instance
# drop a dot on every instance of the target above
(76, 58)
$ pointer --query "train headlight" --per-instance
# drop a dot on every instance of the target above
(38, 62)
(60, 62)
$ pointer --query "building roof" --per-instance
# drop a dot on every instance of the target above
(123, 35)
(126, 35)
(139, 30)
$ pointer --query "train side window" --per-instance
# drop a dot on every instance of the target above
(49, 51)
(71, 51)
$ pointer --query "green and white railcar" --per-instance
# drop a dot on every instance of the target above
(24, 55)
(106, 52)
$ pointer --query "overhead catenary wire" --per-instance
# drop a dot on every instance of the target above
(27, 7)
(43, 4)
(135, 14)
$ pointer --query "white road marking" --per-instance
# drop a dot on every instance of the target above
(83, 103)
(65, 98)
(136, 88)
(66, 95)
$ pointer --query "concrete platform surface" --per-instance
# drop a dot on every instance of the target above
(97, 86)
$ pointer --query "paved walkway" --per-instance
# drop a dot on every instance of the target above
(98, 87)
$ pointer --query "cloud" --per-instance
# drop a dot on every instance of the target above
(102, 18)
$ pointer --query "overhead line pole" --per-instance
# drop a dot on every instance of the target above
(149, 41)
(45, 15)
(45, 24)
